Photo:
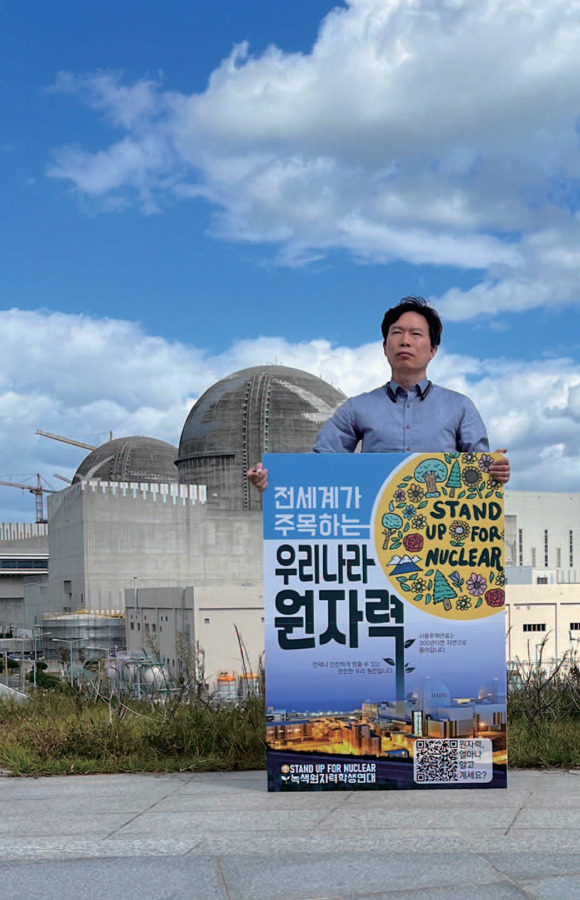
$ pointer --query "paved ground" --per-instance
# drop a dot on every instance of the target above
(222, 837)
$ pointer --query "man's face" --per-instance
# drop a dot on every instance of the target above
(408, 345)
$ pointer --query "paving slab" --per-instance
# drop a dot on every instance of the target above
(221, 835)
(558, 888)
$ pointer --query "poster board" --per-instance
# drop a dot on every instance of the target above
(384, 595)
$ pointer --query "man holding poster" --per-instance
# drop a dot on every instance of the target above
(384, 588)
(409, 413)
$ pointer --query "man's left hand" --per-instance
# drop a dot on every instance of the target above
(500, 468)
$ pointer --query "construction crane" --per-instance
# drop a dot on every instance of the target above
(67, 440)
(38, 490)
(63, 478)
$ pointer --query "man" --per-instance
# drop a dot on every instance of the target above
(409, 414)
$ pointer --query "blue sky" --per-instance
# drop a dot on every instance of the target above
(190, 188)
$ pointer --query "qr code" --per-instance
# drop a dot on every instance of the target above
(436, 761)
(453, 761)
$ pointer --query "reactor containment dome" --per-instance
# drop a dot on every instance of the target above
(130, 459)
(273, 409)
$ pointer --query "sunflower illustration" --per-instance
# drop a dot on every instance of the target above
(459, 530)
(415, 493)
(471, 476)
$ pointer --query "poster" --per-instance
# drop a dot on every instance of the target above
(384, 595)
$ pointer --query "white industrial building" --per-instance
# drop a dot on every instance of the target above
(543, 573)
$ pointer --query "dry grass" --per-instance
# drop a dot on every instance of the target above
(60, 733)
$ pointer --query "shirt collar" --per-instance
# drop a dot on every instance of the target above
(420, 390)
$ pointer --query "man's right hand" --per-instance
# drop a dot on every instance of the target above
(258, 476)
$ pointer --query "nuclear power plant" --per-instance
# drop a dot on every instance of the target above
(167, 541)
(171, 537)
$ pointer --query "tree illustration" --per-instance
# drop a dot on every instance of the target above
(442, 591)
(454, 480)
(390, 522)
(430, 471)
(399, 662)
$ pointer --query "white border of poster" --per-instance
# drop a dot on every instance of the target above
(384, 596)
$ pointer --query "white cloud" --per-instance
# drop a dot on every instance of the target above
(432, 131)
(81, 377)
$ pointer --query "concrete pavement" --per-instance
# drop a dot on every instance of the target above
(222, 837)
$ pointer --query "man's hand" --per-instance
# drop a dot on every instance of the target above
(500, 468)
(258, 476)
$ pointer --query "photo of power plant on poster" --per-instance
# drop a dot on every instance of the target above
(384, 595)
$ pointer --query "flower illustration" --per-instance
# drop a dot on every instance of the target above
(463, 603)
(500, 579)
(419, 521)
(413, 542)
(494, 485)
(476, 584)
(459, 530)
(468, 458)
(485, 461)
(456, 578)
(419, 585)
(471, 476)
(495, 597)
(399, 496)
(416, 493)
(409, 512)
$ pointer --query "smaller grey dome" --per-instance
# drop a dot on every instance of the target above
(131, 459)
(430, 694)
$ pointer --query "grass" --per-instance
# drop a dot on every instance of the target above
(62, 733)
(553, 743)
(544, 715)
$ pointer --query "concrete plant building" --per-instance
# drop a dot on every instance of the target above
(142, 519)
(23, 571)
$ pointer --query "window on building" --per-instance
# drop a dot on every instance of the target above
(132, 626)
(558, 558)
(574, 626)
(546, 548)
(542, 579)
(154, 627)
(520, 546)
(533, 557)
(534, 626)
(206, 621)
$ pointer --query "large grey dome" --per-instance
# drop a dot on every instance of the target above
(272, 409)
(131, 459)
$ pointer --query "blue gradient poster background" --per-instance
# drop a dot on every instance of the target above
(384, 622)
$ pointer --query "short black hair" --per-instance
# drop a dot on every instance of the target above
(416, 305)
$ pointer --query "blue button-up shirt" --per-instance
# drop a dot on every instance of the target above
(424, 419)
